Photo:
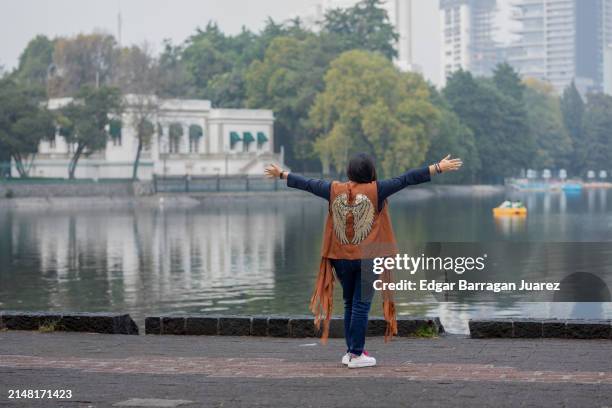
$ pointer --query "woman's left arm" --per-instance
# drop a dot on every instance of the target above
(416, 176)
(444, 165)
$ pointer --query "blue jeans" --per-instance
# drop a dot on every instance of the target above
(357, 293)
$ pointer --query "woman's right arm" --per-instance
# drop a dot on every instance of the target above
(320, 188)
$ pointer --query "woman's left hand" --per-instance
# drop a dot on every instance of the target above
(448, 164)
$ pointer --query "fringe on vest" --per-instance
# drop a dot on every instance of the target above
(322, 301)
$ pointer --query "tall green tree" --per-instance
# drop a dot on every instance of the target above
(451, 136)
(173, 75)
(84, 60)
(508, 81)
(287, 81)
(35, 62)
(505, 145)
(554, 145)
(84, 122)
(368, 105)
(23, 124)
(364, 26)
(597, 134)
(216, 64)
(572, 108)
(204, 57)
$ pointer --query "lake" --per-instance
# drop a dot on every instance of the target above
(260, 254)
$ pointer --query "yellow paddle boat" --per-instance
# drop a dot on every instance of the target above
(508, 208)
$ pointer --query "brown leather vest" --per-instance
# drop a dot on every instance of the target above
(355, 229)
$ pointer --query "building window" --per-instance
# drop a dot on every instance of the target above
(195, 133)
(261, 139)
(52, 143)
(175, 133)
(247, 138)
(234, 138)
(115, 131)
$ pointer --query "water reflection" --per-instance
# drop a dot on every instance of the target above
(250, 256)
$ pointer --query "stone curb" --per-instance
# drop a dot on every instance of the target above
(107, 323)
(276, 326)
(540, 328)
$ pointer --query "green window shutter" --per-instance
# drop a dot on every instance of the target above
(261, 138)
(234, 138)
(115, 128)
(195, 131)
(176, 130)
(160, 129)
(248, 138)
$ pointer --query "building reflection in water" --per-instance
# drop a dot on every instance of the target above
(150, 260)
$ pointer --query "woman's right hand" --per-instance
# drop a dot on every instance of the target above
(273, 171)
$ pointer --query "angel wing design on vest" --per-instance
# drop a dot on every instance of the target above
(363, 217)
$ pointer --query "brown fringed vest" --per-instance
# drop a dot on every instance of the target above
(354, 230)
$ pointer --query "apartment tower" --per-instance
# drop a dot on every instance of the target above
(468, 42)
(561, 41)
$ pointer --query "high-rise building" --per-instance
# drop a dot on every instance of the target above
(608, 70)
(400, 15)
(468, 41)
(562, 41)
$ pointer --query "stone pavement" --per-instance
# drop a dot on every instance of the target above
(211, 371)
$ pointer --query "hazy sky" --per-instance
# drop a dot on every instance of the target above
(155, 20)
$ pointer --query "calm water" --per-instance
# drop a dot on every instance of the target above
(256, 255)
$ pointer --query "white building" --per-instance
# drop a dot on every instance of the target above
(561, 41)
(400, 15)
(190, 138)
(468, 43)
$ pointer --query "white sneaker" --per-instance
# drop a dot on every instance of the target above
(346, 358)
(364, 360)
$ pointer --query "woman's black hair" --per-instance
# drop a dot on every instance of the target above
(361, 168)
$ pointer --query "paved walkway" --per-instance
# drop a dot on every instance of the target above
(102, 370)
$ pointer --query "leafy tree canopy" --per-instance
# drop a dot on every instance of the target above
(368, 105)
(23, 123)
(85, 121)
(364, 26)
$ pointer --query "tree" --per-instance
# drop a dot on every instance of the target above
(368, 105)
(23, 124)
(498, 122)
(204, 57)
(143, 111)
(545, 120)
(451, 136)
(84, 60)
(597, 137)
(138, 77)
(173, 76)
(365, 26)
(287, 81)
(572, 108)
(35, 62)
(508, 81)
(84, 122)
(136, 70)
